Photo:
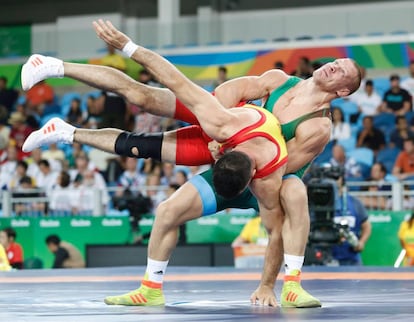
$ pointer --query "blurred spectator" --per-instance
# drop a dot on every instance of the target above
(154, 190)
(379, 183)
(400, 133)
(75, 115)
(279, 65)
(353, 214)
(406, 236)
(180, 177)
(94, 110)
(61, 196)
(340, 129)
(46, 179)
(146, 78)
(404, 164)
(131, 178)
(39, 96)
(369, 101)
(4, 261)
(370, 137)
(221, 76)
(66, 254)
(112, 59)
(253, 232)
(114, 111)
(55, 154)
(167, 174)
(8, 96)
(8, 167)
(21, 171)
(4, 128)
(19, 132)
(304, 68)
(350, 165)
(408, 83)
(396, 100)
(27, 189)
(13, 249)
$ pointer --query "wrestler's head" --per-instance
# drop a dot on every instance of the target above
(341, 77)
(232, 173)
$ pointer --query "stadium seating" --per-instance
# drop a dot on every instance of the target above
(387, 157)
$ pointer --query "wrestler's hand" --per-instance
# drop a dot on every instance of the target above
(108, 33)
(214, 148)
(264, 295)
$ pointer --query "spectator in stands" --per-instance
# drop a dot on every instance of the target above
(350, 165)
(75, 115)
(404, 164)
(4, 128)
(47, 177)
(21, 171)
(114, 111)
(253, 232)
(352, 213)
(370, 137)
(19, 132)
(340, 129)
(304, 68)
(180, 177)
(279, 65)
(155, 190)
(408, 83)
(221, 76)
(400, 133)
(13, 249)
(38, 97)
(94, 110)
(8, 167)
(167, 174)
(131, 178)
(8, 96)
(368, 101)
(406, 236)
(378, 183)
(396, 100)
(55, 156)
(113, 59)
(66, 254)
(146, 78)
(62, 196)
(28, 189)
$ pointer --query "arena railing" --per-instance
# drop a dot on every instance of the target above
(398, 196)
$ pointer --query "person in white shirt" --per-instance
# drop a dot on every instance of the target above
(369, 101)
(340, 129)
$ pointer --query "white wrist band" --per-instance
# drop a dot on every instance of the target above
(130, 48)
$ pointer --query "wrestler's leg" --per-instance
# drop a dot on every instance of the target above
(295, 232)
(185, 204)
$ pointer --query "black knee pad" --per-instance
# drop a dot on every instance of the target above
(148, 145)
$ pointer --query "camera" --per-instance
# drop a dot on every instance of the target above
(324, 200)
(137, 205)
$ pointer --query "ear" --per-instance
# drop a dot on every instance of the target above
(343, 92)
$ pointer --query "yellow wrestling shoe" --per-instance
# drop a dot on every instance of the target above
(149, 294)
(293, 295)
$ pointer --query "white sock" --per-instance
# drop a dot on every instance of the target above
(293, 262)
(156, 270)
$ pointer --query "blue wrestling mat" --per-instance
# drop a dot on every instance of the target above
(204, 294)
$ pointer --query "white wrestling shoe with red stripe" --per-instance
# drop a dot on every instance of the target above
(38, 68)
(54, 131)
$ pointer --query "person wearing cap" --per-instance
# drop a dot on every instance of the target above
(396, 100)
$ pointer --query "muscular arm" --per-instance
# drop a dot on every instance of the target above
(214, 119)
(247, 88)
(309, 141)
